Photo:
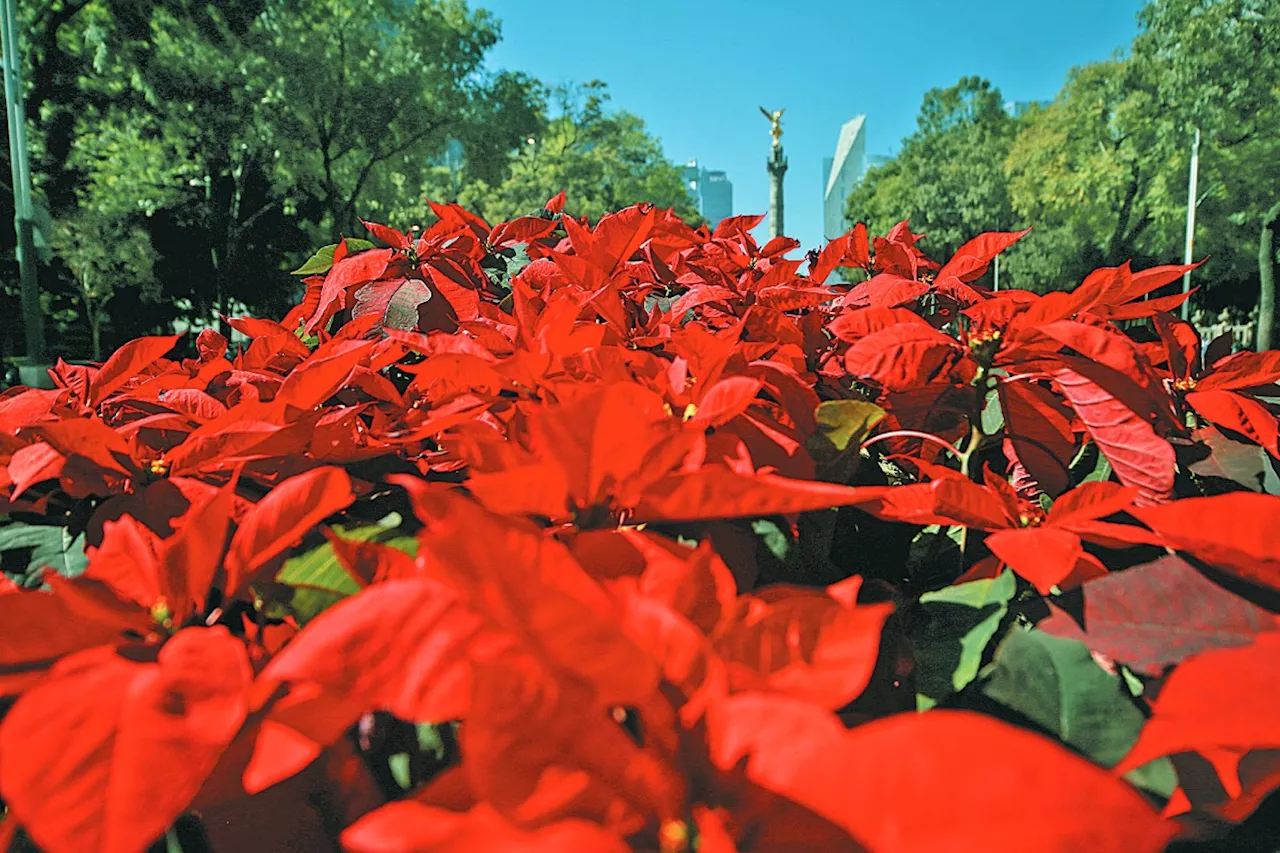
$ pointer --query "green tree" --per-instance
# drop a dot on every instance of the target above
(1093, 174)
(101, 252)
(948, 178)
(244, 131)
(1216, 67)
(604, 160)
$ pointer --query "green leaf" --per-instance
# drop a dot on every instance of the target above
(400, 770)
(318, 263)
(318, 576)
(992, 415)
(1056, 683)
(26, 549)
(959, 622)
(773, 538)
(322, 260)
(1090, 466)
(846, 422)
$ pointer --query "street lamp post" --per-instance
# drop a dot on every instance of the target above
(32, 316)
(1192, 203)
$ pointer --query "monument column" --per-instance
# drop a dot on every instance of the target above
(777, 166)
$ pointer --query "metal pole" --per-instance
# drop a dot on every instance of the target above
(1192, 182)
(32, 316)
(997, 281)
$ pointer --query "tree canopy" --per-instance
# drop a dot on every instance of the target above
(604, 160)
(221, 141)
(1100, 173)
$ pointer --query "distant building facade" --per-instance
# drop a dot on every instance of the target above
(841, 173)
(712, 192)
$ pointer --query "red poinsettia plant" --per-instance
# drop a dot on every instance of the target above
(639, 536)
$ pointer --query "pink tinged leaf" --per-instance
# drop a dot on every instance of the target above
(1236, 532)
(106, 753)
(282, 518)
(1152, 616)
(126, 363)
(1139, 456)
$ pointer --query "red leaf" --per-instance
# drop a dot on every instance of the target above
(804, 643)
(902, 357)
(1234, 532)
(411, 825)
(717, 492)
(1240, 414)
(1105, 347)
(318, 379)
(390, 236)
(400, 646)
(1151, 616)
(602, 440)
(1220, 700)
(1089, 502)
(1041, 434)
(369, 265)
(1139, 457)
(126, 363)
(33, 464)
(91, 439)
(520, 231)
(1045, 556)
(42, 627)
(282, 518)
(725, 400)
(106, 753)
(1243, 370)
(951, 500)
(1049, 798)
(971, 260)
(556, 203)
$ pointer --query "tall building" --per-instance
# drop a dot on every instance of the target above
(712, 192)
(841, 173)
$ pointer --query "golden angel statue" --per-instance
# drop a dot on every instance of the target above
(775, 118)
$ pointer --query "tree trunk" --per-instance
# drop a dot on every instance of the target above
(95, 330)
(91, 315)
(1267, 280)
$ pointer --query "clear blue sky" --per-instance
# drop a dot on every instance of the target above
(697, 72)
